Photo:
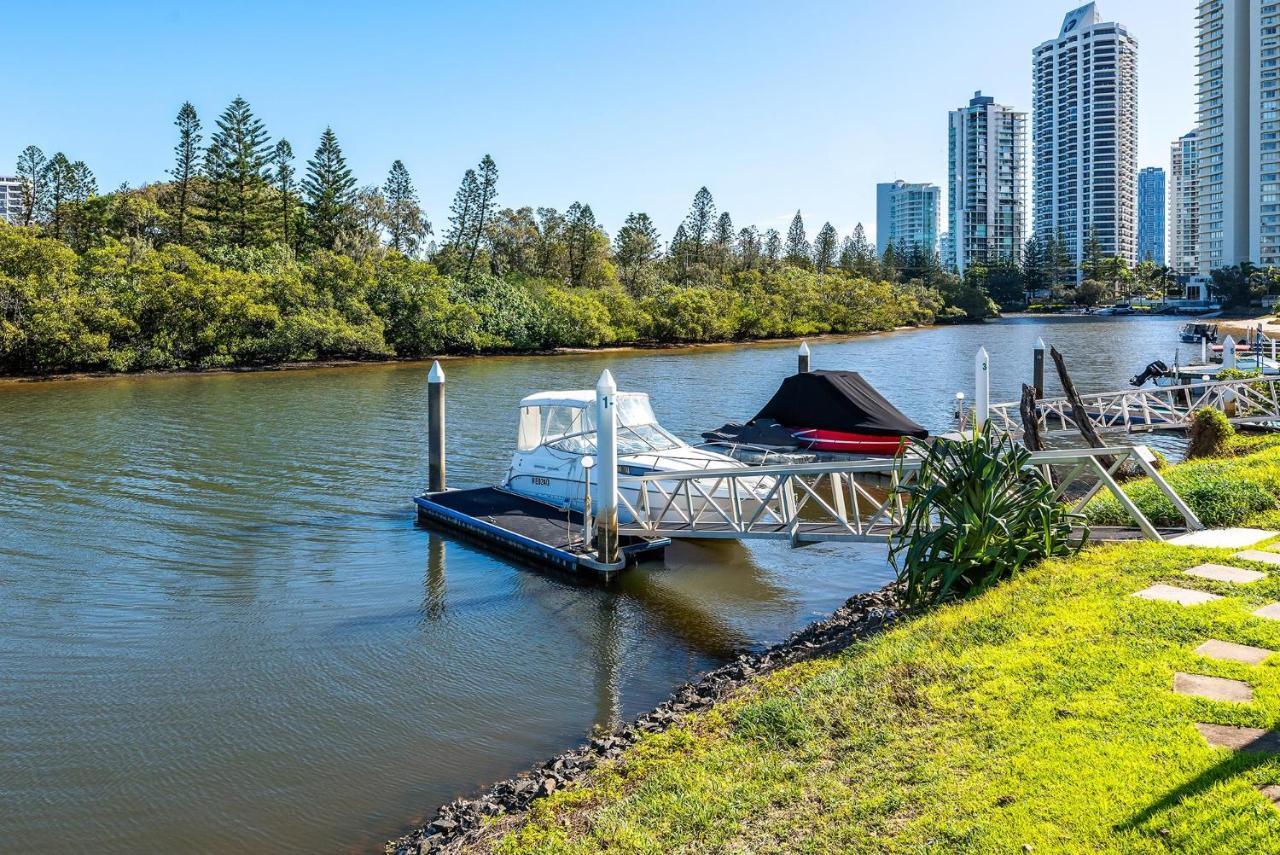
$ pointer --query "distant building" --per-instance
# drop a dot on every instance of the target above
(1085, 136)
(947, 252)
(907, 216)
(987, 184)
(1184, 208)
(1151, 189)
(1238, 99)
(10, 198)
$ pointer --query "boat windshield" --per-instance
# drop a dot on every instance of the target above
(573, 428)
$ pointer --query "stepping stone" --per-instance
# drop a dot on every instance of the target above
(1271, 612)
(1229, 652)
(1249, 739)
(1223, 538)
(1259, 556)
(1272, 792)
(1223, 573)
(1171, 594)
(1213, 688)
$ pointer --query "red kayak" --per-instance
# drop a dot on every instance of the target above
(848, 443)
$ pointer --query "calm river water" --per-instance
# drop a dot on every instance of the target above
(221, 629)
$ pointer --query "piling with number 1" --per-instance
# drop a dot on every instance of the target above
(607, 468)
(435, 429)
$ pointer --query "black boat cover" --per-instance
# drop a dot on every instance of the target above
(839, 401)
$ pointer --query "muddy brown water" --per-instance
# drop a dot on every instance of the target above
(222, 630)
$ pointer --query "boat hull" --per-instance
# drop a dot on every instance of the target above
(848, 443)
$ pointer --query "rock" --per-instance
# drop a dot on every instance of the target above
(548, 787)
(444, 826)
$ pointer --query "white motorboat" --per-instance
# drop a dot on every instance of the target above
(557, 434)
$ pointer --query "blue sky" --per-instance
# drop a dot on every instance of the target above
(626, 106)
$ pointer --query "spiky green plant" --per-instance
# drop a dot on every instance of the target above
(978, 513)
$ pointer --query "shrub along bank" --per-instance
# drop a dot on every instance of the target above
(129, 305)
(1038, 716)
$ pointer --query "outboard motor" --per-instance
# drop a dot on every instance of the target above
(1151, 372)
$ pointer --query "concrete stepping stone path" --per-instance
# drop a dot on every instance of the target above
(1250, 739)
(1259, 556)
(1223, 538)
(1272, 792)
(1172, 594)
(1271, 612)
(1230, 652)
(1213, 688)
(1223, 573)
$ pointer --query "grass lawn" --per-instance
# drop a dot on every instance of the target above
(1040, 714)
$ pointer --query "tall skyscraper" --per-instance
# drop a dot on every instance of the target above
(1085, 136)
(1239, 132)
(907, 216)
(1151, 188)
(1184, 207)
(987, 183)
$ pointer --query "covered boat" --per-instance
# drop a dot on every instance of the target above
(825, 411)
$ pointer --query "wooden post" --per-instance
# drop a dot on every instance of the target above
(607, 468)
(435, 429)
(982, 394)
(803, 357)
(1228, 352)
(1030, 420)
(1204, 350)
(1078, 411)
(1037, 368)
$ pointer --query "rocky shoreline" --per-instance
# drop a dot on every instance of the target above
(461, 822)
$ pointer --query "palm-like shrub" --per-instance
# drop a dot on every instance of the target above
(978, 513)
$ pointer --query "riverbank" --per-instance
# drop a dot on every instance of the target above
(1040, 716)
(322, 364)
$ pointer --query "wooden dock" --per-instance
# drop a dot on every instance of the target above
(524, 528)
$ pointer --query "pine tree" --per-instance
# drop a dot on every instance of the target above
(485, 205)
(698, 225)
(58, 179)
(32, 194)
(825, 248)
(330, 189)
(462, 211)
(681, 250)
(186, 165)
(406, 226)
(797, 249)
(864, 253)
(635, 246)
(749, 248)
(772, 247)
(282, 159)
(236, 164)
(85, 184)
(1093, 260)
(582, 229)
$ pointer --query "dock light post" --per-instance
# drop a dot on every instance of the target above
(982, 394)
(588, 463)
(804, 357)
(960, 409)
(607, 468)
(1229, 352)
(1037, 368)
(1229, 404)
(435, 429)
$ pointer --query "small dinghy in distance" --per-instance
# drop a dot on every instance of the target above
(833, 412)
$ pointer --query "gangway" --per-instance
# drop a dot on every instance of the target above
(1253, 400)
(860, 501)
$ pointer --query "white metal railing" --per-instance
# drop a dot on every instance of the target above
(1252, 400)
(814, 502)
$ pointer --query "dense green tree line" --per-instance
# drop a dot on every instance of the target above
(242, 257)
